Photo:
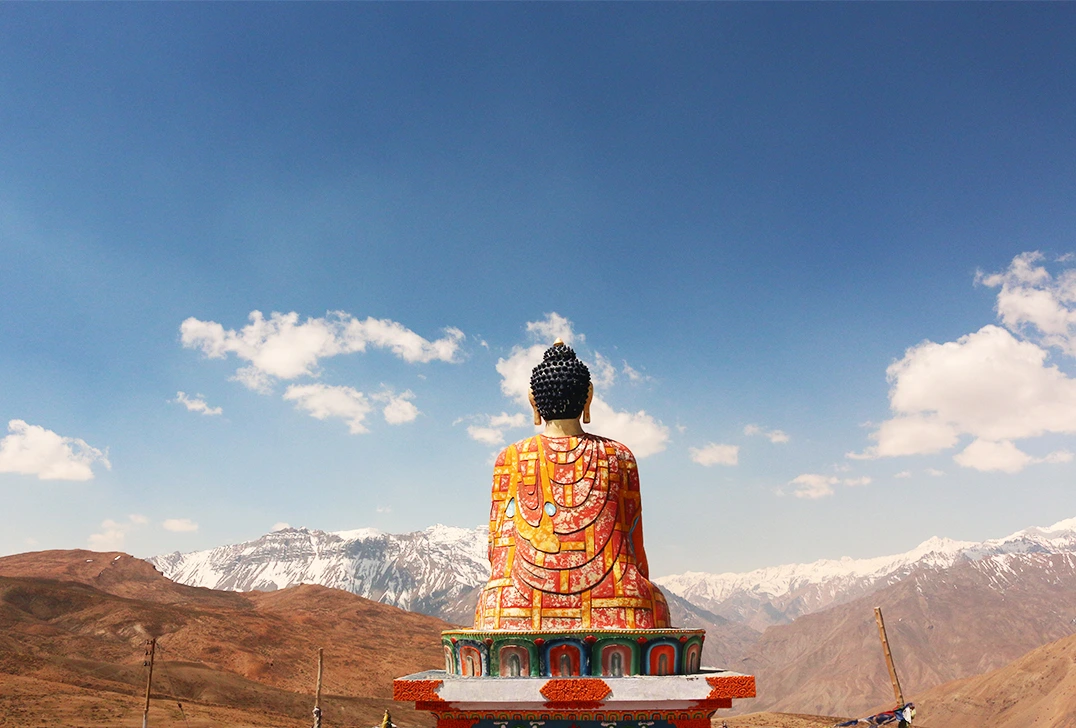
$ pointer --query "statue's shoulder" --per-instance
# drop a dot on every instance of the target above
(613, 448)
(513, 451)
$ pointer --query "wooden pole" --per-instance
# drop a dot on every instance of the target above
(317, 695)
(897, 693)
(149, 680)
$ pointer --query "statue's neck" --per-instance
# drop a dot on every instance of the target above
(563, 428)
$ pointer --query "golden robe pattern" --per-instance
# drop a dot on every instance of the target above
(566, 540)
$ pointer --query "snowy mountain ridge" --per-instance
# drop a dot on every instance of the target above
(439, 570)
(428, 571)
(778, 594)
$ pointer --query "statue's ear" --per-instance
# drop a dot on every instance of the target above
(586, 407)
(534, 406)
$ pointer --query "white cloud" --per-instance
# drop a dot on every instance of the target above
(486, 435)
(852, 482)
(399, 409)
(777, 437)
(553, 327)
(33, 450)
(985, 455)
(716, 454)
(903, 474)
(934, 472)
(987, 384)
(1003, 456)
(196, 404)
(812, 486)
(279, 526)
(114, 533)
(506, 420)
(384, 509)
(493, 431)
(179, 525)
(633, 375)
(1035, 303)
(602, 372)
(994, 385)
(283, 348)
(641, 432)
(322, 402)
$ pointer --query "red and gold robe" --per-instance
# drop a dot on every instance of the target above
(566, 540)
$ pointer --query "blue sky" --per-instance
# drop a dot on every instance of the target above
(776, 231)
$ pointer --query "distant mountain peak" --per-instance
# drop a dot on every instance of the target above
(779, 594)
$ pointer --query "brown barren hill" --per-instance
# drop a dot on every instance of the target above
(1039, 689)
(943, 625)
(81, 619)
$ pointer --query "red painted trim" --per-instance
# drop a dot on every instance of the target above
(731, 686)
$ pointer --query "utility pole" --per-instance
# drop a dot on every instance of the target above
(897, 693)
(150, 652)
(317, 695)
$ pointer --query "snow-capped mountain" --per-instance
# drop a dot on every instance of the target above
(438, 571)
(435, 571)
(779, 594)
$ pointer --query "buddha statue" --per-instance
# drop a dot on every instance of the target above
(565, 528)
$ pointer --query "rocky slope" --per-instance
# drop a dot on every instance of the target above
(1038, 689)
(943, 624)
(80, 619)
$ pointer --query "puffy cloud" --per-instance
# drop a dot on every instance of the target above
(987, 384)
(1003, 456)
(903, 474)
(179, 525)
(1035, 303)
(279, 526)
(852, 482)
(196, 404)
(506, 420)
(486, 435)
(282, 347)
(114, 533)
(398, 409)
(33, 450)
(493, 433)
(994, 385)
(812, 486)
(322, 402)
(641, 432)
(935, 473)
(777, 437)
(716, 454)
(553, 327)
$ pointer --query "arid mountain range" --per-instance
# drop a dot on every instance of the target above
(943, 624)
(73, 625)
(1038, 689)
(954, 612)
(79, 620)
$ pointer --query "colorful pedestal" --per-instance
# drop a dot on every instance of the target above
(641, 701)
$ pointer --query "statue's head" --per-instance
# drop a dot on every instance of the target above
(560, 385)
